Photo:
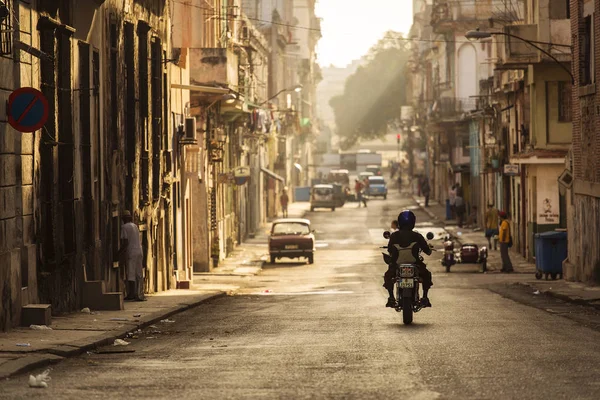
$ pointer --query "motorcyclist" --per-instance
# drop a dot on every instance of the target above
(406, 237)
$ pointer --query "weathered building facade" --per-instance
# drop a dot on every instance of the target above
(18, 161)
(158, 107)
(107, 147)
(584, 252)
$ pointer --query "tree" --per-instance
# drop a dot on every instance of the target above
(374, 94)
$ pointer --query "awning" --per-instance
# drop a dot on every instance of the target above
(272, 175)
(202, 89)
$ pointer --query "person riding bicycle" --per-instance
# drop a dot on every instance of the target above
(405, 237)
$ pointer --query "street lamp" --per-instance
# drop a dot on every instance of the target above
(227, 98)
(478, 35)
(297, 89)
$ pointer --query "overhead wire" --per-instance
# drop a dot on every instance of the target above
(227, 17)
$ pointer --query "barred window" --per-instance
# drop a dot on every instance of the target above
(6, 34)
(564, 102)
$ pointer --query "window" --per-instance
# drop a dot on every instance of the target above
(66, 151)
(86, 140)
(559, 9)
(586, 52)
(114, 102)
(131, 125)
(6, 36)
(157, 115)
(48, 137)
(291, 228)
(97, 141)
(564, 102)
(142, 32)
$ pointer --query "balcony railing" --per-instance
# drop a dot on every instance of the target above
(446, 13)
(448, 107)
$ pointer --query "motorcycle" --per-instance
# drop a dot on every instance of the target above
(407, 284)
(448, 260)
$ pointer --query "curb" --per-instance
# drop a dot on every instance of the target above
(563, 297)
(59, 353)
(434, 217)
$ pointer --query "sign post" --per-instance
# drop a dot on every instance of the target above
(27, 109)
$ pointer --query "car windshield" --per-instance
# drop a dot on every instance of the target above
(291, 228)
(376, 181)
(372, 169)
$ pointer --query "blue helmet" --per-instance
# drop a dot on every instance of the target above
(406, 220)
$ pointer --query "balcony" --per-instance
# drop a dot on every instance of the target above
(214, 66)
(448, 15)
(452, 107)
(518, 54)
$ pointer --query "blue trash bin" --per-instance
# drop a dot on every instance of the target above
(550, 252)
(302, 193)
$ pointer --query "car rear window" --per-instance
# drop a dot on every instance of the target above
(323, 191)
(291, 228)
(377, 181)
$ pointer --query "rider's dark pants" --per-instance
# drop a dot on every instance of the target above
(424, 274)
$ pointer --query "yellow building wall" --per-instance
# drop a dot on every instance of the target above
(545, 129)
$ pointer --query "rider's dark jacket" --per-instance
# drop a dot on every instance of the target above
(404, 238)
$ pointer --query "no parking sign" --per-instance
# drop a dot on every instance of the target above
(27, 109)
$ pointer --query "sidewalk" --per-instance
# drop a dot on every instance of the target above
(573, 292)
(24, 349)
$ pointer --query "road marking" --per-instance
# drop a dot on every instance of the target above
(303, 293)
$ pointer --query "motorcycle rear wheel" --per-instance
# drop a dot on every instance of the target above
(407, 310)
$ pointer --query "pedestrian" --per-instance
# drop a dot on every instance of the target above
(394, 226)
(452, 199)
(491, 225)
(399, 180)
(459, 190)
(426, 190)
(366, 185)
(460, 207)
(284, 200)
(358, 191)
(505, 242)
(134, 257)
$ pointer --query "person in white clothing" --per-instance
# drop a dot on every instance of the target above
(134, 256)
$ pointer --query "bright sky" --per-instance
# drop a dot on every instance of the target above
(351, 27)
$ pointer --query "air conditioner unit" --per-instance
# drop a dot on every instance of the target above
(190, 131)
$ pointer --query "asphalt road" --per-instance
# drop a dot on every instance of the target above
(321, 331)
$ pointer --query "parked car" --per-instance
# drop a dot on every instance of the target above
(375, 169)
(377, 187)
(322, 196)
(291, 238)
